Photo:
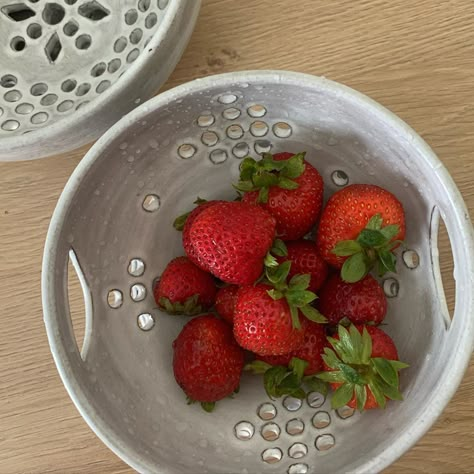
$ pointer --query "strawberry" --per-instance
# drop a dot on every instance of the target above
(207, 361)
(305, 259)
(225, 302)
(359, 228)
(184, 288)
(362, 367)
(291, 374)
(264, 325)
(230, 240)
(288, 187)
(360, 302)
(183, 223)
(310, 351)
(268, 317)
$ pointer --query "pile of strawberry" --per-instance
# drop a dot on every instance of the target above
(251, 261)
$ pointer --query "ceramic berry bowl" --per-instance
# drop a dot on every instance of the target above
(71, 68)
(114, 223)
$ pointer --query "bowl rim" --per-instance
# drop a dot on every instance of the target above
(460, 358)
(60, 127)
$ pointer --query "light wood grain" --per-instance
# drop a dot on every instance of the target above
(417, 58)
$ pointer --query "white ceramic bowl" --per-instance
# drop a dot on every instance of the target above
(69, 69)
(114, 221)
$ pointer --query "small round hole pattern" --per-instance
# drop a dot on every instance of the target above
(151, 203)
(282, 429)
(262, 146)
(321, 419)
(391, 287)
(315, 399)
(298, 469)
(138, 292)
(295, 427)
(25, 108)
(411, 259)
(39, 118)
(218, 157)
(297, 450)
(267, 411)
(244, 430)
(345, 412)
(115, 298)
(272, 455)
(63, 35)
(292, 403)
(270, 432)
(231, 113)
(324, 442)
(186, 151)
(206, 120)
(241, 150)
(145, 321)
(136, 267)
(12, 96)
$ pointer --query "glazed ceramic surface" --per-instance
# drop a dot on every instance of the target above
(69, 69)
(114, 222)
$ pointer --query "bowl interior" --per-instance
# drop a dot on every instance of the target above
(122, 209)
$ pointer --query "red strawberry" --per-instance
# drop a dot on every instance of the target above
(310, 351)
(283, 359)
(360, 302)
(288, 187)
(225, 302)
(267, 319)
(184, 288)
(264, 325)
(359, 227)
(305, 260)
(362, 367)
(230, 240)
(184, 222)
(207, 361)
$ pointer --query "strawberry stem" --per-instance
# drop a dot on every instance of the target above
(373, 247)
(278, 249)
(296, 293)
(190, 307)
(280, 380)
(354, 368)
(208, 406)
(179, 222)
(263, 174)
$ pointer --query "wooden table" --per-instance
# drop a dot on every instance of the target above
(416, 58)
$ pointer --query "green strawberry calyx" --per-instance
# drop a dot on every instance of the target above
(209, 406)
(296, 293)
(278, 249)
(179, 222)
(355, 370)
(279, 380)
(206, 406)
(373, 247)
(263, 174)
(189, 307)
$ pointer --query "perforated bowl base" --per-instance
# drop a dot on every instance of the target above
(58, 56)
(115, 217)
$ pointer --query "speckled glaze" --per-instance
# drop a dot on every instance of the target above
(69, 69)
(118, 206)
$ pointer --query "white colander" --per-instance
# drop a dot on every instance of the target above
(71, 68)
(114, 220)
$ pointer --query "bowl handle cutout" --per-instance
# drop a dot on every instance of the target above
(442, 266)
(80, 304)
